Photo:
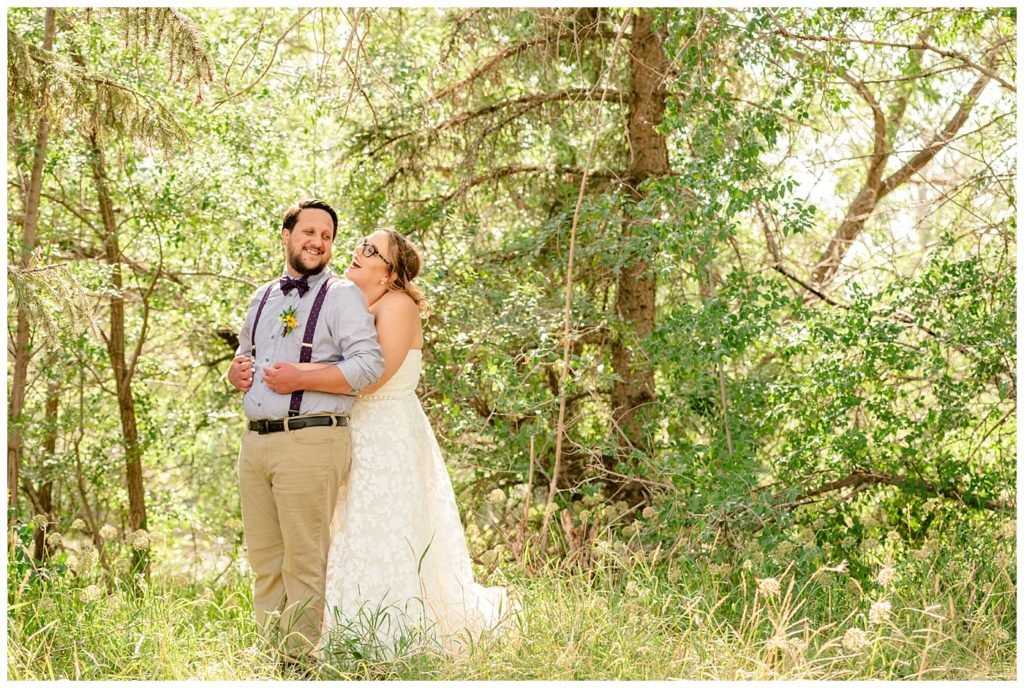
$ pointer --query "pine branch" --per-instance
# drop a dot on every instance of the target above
(496, 60)
(528, 102)
(510, 170)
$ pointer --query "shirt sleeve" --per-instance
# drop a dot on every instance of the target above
(362, 362)
(245, 334)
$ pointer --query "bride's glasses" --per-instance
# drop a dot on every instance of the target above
(369, 251)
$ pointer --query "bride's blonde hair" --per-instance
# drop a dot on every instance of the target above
(407, 262)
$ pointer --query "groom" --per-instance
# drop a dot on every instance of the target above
(296, 450)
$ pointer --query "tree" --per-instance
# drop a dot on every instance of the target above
(99, 106)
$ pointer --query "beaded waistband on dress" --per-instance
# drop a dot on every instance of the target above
(403, 395)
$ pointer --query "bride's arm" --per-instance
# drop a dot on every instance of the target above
(397, 326)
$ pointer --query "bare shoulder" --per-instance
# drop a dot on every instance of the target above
(397, 303)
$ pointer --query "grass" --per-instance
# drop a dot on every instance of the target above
(629, 616)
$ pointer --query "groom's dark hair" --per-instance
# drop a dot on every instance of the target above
(291, 216)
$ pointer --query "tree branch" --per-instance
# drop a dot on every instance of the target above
(529, 101)
(861, 478)
(495, 60)
(866, 201)
(922, 44)
(938, 142)
(509, 170)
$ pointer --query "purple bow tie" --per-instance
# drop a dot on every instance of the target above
(287, 284)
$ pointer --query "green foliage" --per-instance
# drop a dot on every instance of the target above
(468, 130)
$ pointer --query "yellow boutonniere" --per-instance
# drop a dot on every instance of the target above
(287, 317)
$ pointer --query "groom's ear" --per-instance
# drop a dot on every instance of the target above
(284, 235)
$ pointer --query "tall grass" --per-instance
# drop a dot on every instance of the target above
(950, 615)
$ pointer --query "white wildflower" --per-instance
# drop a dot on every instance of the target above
(108, 532)
(551, 508)
(78, 524)
(46, 605)
(91, 594)
(72, 562)
(880, 611)
(719, 570)
(87, 559)
(496, 497)
(869, 544)
(648, 512)
(885, 576)
(40, 520)
(54, 540)
(140, 539)
(768, 587)
(855, 640)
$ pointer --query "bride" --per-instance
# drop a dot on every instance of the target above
(398, 571)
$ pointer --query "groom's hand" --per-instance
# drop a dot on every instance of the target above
(283, 378)
(240, 372)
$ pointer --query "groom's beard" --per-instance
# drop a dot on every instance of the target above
(295, 263)
(303, 271)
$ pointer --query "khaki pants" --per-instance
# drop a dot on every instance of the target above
(289, 483)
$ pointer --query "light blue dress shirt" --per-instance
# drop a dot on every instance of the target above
(345, 336)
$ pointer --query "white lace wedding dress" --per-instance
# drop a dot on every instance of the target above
(398, 572)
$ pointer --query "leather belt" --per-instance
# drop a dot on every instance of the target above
(266, 426)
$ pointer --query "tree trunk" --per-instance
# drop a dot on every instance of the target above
(118, 361)
(22, 337)
(633, 393)
(45, 491)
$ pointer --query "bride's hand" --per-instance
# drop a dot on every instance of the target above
(283, 378)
